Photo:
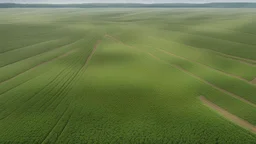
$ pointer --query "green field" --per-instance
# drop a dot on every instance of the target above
(127, 75)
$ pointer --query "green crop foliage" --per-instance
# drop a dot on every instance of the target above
(126, 75)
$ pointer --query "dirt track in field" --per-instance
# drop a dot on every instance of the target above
(241, 60)
(220, 71)
(153, 56)
(119, 41)
(254, 81)
(92, 53)
(206, 82)
(241, 122)
(191, 74)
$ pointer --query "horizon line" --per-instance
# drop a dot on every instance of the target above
(133, 3)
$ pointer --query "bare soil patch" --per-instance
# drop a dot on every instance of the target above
(241, 122)
(254, 81)
(93, 51)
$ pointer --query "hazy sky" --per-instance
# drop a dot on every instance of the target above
(120, 1)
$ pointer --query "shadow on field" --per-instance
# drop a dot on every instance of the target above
(112, 58)
(230, 43)
(248, 28)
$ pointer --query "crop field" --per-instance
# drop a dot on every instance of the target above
(128, 76)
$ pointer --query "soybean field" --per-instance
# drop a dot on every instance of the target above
(142, 75)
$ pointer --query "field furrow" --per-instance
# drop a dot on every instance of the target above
(63, 55)
(228, 115)
(127, 75)
(220, 71)
(231, 92)
(210, 84)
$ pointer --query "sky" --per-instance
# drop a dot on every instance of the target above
(119, 1)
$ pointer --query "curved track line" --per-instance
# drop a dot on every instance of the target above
(57, 76)
(39, 43)
(119, 41)
(69, 81)
(45, 137)
(206, 82)
(63, 55)
(47, 92)
(195, 76)
(239, 59)
(61, 92)
(36, 43)
(86, 62)
(52, 88)
(73, 77)
(41, 53)
(233, 118)
(253, 81)
(37, 101)
(64, 127)
(92, 53)
(211, 37)
(113, 38)
(219, 28)
(22, 83)
(220, 71)
(242, 60)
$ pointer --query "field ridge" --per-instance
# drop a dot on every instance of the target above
(220, 71)
(208, 83)
(197, 77)
(249, 62)
(233, 118)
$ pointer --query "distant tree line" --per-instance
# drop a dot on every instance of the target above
(131, 5)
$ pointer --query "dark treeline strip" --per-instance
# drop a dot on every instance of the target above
(131, 5)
